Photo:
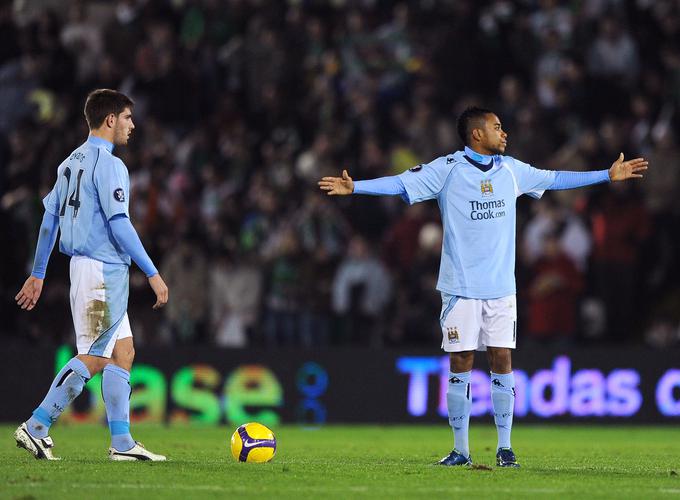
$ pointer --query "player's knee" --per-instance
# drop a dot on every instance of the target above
(462, 361)
(94, 364)
(500, 360)
(124, 358)
(128, 357)
(98, 366)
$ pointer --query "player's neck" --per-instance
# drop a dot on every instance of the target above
(483, 157)
(107, 135)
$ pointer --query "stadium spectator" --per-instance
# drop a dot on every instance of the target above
(186, 317)
(553, 295)
(235, 288)
(551, 219)
(361, 292)
(621, 226)
(283, 296)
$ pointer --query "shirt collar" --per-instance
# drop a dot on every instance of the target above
(479, 158)
(98, 141)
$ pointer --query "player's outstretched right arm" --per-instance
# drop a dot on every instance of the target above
(382, 186)
(422, 182)
(335, 186)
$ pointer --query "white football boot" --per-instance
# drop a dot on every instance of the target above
(138, 452)
(40, 448)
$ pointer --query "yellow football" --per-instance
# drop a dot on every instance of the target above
(253, 442)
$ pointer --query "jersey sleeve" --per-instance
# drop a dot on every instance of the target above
(51, 201)
(530, 180)
(426, 181)
(113, 187)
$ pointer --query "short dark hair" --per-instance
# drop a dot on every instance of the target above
(101, 103)
(468, 120)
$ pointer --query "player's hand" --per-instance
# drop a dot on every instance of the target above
(29, 294)
(160, 289)
(631, 169)
(337, 185)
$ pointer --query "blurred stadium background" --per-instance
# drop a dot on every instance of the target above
(241, 105)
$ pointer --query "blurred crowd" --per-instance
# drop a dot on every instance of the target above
(242, 105)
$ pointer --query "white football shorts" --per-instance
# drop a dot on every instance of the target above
(99, 297)
(475, 324)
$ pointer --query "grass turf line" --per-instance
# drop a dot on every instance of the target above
(353, 462)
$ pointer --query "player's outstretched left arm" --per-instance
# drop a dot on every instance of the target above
(624, 170)
(619, 171)
(337, 186)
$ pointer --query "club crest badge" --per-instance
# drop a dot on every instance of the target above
(119, 195)
(452, 333)
(486, 187)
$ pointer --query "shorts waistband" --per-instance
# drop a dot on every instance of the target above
(76, 258)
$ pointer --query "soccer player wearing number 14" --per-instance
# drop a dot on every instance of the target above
(89, 206)
(476, 190)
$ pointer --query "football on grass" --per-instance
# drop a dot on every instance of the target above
(253, 442)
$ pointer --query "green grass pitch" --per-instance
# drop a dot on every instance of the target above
(354, 462)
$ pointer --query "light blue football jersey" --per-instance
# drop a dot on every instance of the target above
(478, 216)
(92, 186)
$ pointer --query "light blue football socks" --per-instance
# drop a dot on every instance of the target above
(116, 393)
(459, 404)
(67, 385)
(503, 399)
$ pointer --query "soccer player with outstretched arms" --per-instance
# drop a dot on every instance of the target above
(89, 207)
(477, 190)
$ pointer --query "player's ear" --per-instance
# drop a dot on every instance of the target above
(476, 134)
(111, 120)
